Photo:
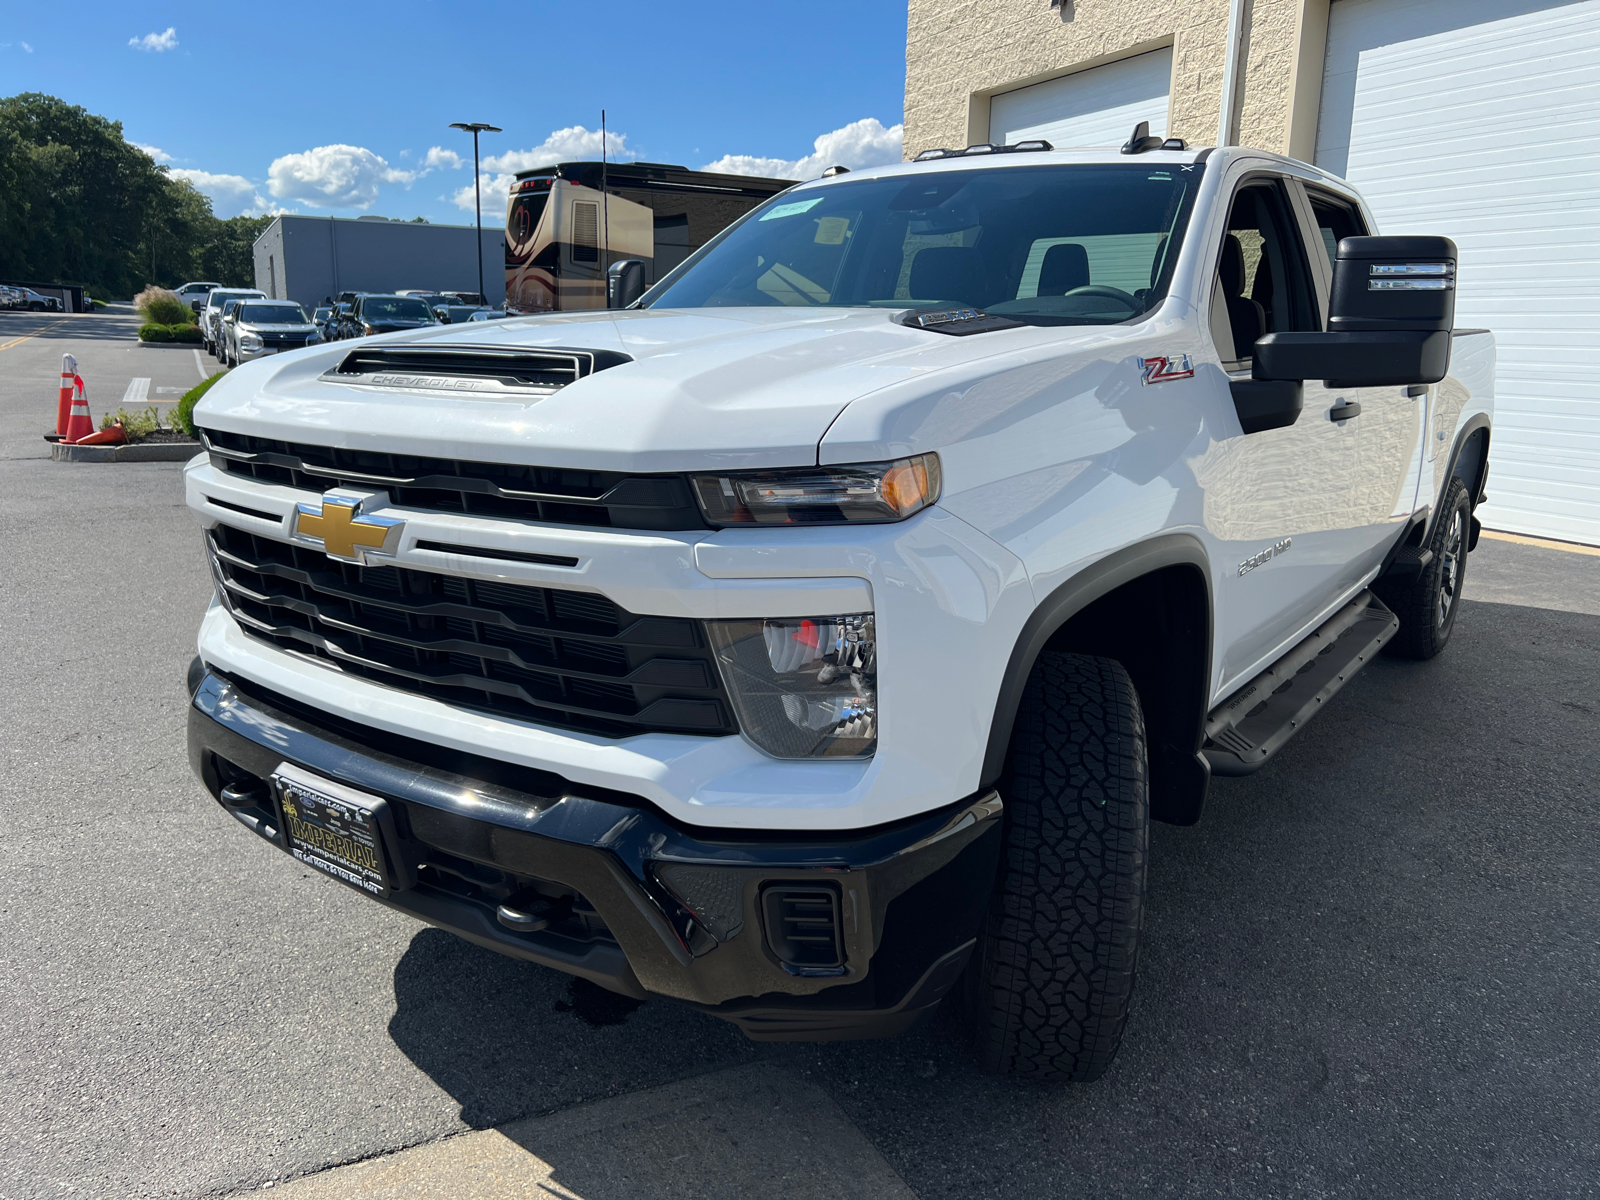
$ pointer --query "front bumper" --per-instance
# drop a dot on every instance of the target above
(667, 910)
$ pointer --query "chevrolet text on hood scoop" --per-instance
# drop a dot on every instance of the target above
(488, 372)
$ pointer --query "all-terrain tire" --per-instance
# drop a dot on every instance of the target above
(1048, 990)
(1427, 603)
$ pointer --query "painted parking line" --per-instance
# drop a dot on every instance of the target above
(34, 334)
(1542, 543)
(138, 392)
(200, 366)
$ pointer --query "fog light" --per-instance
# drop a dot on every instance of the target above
(803, 687)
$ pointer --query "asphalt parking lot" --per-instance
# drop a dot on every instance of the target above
(1370, 971)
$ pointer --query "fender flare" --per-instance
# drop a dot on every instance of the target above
(1072, 597)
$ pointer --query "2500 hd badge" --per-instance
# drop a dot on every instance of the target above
(724, 664)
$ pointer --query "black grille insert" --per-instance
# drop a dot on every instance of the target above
(565, 658)
(549, 495)
(803, 929)
(541, 370)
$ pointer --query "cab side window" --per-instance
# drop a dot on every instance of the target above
(1263, 282)
(1336, 219)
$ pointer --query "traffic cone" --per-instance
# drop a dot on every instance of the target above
(79, 423)
(109, 436)
(69, 374)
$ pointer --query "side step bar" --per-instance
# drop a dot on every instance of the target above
(1252, 725)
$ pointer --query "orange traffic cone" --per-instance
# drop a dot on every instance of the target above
(109, 436)
(69, 373)
(79, 423)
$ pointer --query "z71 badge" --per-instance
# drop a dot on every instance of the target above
(1165, 370)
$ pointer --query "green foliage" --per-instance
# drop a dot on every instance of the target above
(181, 417)
(135, 425)
(160, 307)
(186, 332)
(154, 333)
(79, 203)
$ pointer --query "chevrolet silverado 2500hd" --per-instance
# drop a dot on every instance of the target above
(814, 639)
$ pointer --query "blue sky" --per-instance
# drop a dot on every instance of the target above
(334, 108)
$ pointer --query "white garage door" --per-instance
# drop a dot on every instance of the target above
(1480, 120)
(1097, 107)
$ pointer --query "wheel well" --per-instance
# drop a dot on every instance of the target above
(1158, 627)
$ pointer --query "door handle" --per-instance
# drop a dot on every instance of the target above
(1344, 410)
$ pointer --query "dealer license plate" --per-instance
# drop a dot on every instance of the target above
(334, 828)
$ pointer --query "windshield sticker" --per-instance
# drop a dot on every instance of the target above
(831, 230)
(789, 210)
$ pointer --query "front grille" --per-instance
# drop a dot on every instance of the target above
(283, 341)
(549, 495)
(555, 657)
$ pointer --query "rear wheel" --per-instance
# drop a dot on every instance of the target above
(1048, 991)
(1427, 603)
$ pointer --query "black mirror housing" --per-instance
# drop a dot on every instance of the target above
(1390, 315)
(624, 282)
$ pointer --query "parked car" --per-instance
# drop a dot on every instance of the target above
(10, 297)
(456, 314)
(211, 315)
(384, 314)
(817, 637)
(194, 294)
(488, 314)
(323, 319)
(32, 301)
(256, 328)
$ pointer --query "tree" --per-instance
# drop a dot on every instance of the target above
(79, 204)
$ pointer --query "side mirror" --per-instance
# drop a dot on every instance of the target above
(624, 283)
(1391, 313)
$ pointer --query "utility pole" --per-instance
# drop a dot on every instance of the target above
(475, 128)
(605, 206)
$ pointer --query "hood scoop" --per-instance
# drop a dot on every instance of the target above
(487, 372)
(958, 322)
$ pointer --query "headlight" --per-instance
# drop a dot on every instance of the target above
(803, 687)
(861, 492)
(368, 329)
(250, 341)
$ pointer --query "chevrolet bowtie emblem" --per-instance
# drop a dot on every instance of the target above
(339, 529)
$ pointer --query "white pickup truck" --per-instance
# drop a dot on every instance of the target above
(814, 639)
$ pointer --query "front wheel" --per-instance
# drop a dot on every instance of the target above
(1048, 991)
(1427, 603)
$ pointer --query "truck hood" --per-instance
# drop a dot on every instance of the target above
(708, 389)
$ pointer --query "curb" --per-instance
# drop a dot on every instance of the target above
(158, 452)
(171, 345)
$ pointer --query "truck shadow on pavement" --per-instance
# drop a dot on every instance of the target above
(1375, 952)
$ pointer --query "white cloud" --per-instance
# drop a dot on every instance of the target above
(231, 195)
(156, 42)
(337, 176)
(864, 143)
(572, 144)
(438, 156)
(155, 152)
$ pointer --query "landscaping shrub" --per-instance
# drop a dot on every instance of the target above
(154, 333)
(161, 307)
(135, 425)
(181, 416)
(185, 333)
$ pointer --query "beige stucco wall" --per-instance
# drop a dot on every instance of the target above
(961, 52)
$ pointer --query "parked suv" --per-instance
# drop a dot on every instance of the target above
(816, 639)
(375, 313)
(211, 315)
(257, 328)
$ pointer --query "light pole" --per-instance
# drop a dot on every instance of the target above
(475, 128)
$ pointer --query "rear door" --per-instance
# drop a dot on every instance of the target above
(1391, 426)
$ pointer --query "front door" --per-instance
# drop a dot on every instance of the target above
(1288, 508)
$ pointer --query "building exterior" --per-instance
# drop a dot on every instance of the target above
(307, 258)
(1477, 119)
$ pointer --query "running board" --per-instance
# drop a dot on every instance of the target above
(1253, 724)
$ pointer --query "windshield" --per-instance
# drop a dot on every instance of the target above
(395, 308)
(272, 314)
(1050, 245)
(218, 299)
